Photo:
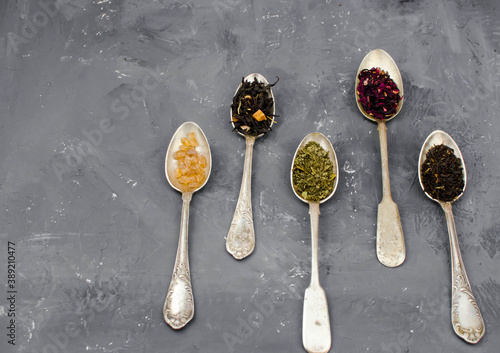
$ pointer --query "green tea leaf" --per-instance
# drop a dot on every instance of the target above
(312, 172)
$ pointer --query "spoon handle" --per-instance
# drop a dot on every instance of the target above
(466, 317)
(314, 216)
(240, 240)
(316, 333)
(178, 309)
(391, 250)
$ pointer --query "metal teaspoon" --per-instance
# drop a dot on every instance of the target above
(466, 317)
(316, 333)
(391, 250)
(240, 240)
(178, 309)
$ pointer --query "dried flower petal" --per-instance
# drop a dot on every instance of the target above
(377, 93)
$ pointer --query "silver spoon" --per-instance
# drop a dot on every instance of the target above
(240, 240)
(178, 309)
(316, 334)
(466, 317)
(391, 250)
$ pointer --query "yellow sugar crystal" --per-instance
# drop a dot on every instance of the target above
(185, 142)
(202, 161)
(179, 155)
(192, 139)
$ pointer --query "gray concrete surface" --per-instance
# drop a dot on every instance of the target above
(91, 93)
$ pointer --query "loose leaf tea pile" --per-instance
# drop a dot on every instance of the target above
(312, 173)
(442, 173)
(378, 94)
(252, 108)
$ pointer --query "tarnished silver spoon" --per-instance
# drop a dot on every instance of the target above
(391, 250)
(316, 333)
(178, 309)
(240, 241)
(466, 317)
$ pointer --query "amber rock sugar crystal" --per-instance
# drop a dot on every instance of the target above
(191, 165)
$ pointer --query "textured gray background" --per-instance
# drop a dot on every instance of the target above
(96, 224)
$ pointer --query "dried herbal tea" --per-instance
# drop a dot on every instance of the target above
(442, 173)
(312, 173)
(378, 94)
(252, 108)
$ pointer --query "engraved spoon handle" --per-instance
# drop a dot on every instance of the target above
(466, 317)
(178, 309)
(316, 333)
(240, 240)
(391, 250)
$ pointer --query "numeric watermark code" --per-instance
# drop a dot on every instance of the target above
(11, 292)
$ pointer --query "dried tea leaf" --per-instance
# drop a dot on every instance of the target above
(250, 98)
(312, 172)
(442, 173)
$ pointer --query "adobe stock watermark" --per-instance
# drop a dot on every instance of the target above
(418, 322)
(94, 137)
(31, 26)
(246, 325)
(60, 341)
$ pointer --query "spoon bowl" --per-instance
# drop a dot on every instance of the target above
(251, 78)
(323, 141)
(391, 250)
(240, 241)
(436, 138)
(203, 148)
(380, 58)
(316, 332)
(178, 308)
(466, 317)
